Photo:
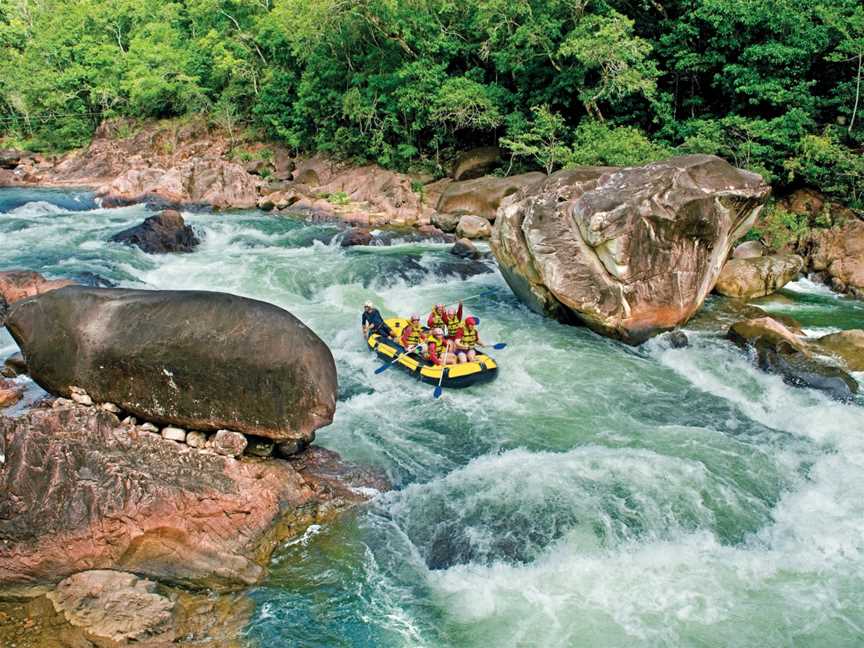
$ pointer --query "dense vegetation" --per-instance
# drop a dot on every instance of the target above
(774, 85)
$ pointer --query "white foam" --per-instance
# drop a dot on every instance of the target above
(36, 209)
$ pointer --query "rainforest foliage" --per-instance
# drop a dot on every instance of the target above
(772, 85)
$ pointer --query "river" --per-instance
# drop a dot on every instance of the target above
(594, 495)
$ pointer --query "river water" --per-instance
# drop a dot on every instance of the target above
(594, 495)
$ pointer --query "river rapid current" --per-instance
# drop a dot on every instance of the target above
(593, 495)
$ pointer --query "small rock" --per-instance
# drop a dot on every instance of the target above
(130, 420)
(465, 249)
(196, 439)
(16, 364)
(61, 402)
(81, 397)
(356, 236)
(259, 447)
(174, 434)
(147, 426)
(748, 250)
(445, 222)
(165, 232)
(676, 339)
(110, 407)
(291, 447)
(473, 227)
(10, 393)
(229, 443)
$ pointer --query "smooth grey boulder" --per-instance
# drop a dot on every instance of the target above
(192, 359)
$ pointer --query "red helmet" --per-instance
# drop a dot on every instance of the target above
(470, 321)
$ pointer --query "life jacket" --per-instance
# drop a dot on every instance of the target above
(453, 326)
(437, 320)
(438, 342)
(413, 337)
(469, 337)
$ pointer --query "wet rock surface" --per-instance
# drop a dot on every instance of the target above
(173, 357)
(483, 196)
(778, 350)
(848, 346)
(20, 284)
(752, 277)
(836, 256)
(465, 249)
(166, 232)
(630, 252)
(196, 181)
(473, 227)
(115, 607)
(80, 491)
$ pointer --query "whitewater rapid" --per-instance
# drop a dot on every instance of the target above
(594, 495)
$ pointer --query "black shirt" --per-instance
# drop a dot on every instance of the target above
(373, 317)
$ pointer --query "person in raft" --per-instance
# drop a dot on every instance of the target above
(467, 340)
(413, 335)
(373, 322)
(454, 322)
(440, 317)
(436, 348)
(436, 317)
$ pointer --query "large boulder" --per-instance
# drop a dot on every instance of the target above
(197, 360)
(837, 256)
(778, 350)
(752, 277)
(165, 232)
(483, 196)
(848, 346)
(20, 284)
(80, 491)
(630, 252)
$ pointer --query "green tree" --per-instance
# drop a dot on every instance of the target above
(542, 138)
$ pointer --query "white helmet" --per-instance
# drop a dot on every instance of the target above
(368, 304)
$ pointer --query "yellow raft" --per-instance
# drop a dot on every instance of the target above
(483, 369)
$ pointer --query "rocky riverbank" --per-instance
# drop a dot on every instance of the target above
(629, 252)
(115, 521)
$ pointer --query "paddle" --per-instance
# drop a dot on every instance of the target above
(478, 296)
(438, 389)
(500, 345)
(384, 368)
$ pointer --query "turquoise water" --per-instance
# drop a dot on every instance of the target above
(594, 495)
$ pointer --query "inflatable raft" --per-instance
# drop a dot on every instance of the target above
(483, 369)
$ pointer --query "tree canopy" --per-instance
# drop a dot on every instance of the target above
(772, 85)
